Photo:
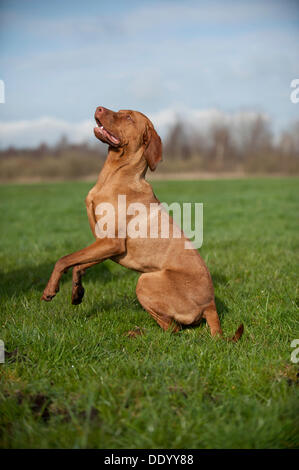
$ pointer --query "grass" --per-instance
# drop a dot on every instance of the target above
(74, 380)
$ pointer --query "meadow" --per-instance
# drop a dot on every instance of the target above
(73, 379)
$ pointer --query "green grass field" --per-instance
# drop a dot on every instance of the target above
(74, 380)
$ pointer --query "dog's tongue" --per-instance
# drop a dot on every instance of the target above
(108, 136)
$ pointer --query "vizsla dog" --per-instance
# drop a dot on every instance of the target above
(175, 286)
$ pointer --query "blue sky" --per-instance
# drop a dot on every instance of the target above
(61, 59)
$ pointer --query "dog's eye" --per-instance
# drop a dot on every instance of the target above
(129, 118)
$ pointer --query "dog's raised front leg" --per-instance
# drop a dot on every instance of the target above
(99, 251)
(78, 289)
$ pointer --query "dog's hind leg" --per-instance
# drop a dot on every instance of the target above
(165, 322)
(151, 295)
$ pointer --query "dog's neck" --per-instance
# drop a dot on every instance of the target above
(123, 165)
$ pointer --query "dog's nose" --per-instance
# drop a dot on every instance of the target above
(102, 112)
(100, 109)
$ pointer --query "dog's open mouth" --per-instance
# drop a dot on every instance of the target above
(104, 135)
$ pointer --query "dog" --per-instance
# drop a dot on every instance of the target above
(175, 286)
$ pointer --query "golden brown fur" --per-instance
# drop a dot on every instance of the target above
(175, 286)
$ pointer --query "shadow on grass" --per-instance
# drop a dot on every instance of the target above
(219, 279)
(221, 307)
(121, 303)
(35, 278)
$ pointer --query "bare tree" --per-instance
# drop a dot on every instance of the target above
(177, 142)
(221, 145)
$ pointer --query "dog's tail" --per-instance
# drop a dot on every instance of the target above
(212, 318)
(237, 334)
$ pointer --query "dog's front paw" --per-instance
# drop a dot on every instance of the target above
(48, 294)
(77, 294)
(47, 297)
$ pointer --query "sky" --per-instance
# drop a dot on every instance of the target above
(196, 59)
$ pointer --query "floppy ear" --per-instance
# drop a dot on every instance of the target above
(153, 147)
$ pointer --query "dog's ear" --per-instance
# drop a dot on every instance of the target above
(153, 147)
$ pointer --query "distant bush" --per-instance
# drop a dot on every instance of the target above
(65, 161)
(250, 149)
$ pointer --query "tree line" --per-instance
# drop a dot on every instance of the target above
(250, 147)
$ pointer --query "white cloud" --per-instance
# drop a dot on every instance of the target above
(31, 133)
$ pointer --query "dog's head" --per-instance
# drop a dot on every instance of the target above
(131, 131)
